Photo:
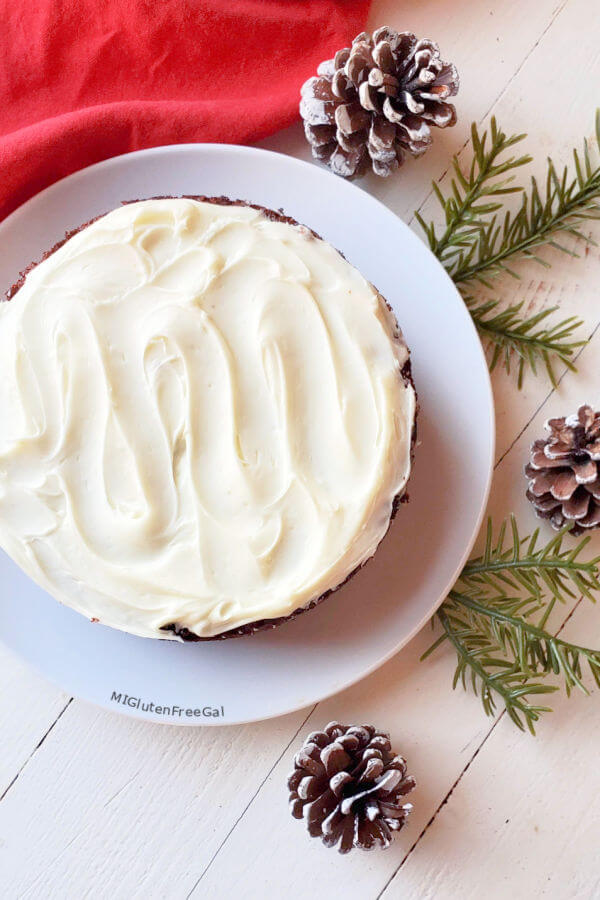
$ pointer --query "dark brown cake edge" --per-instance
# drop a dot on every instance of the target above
(182, 632)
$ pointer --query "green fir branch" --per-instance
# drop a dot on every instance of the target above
(490, 678)
(474, 194)
(567, 200)
(512, 336)
(504, 650)
(480, 239)
(510, 562)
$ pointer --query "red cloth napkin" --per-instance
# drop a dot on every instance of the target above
(82, 80)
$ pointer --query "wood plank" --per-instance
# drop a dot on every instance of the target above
(29, 707)
(439, 732)
(436, 730)
(524, 820)
(489, 52)
(528, 799)
(124, 808)
(137, 810)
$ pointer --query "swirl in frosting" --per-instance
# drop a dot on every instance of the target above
(203, 420)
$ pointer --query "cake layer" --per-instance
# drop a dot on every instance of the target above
(203, 418)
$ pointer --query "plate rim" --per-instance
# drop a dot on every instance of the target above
(322, 173)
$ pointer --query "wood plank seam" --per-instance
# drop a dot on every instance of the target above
(29, 892)
(534, 46)
(441, 805)
(465, 769)
(121, 789)
(500, 460)
(486, 737)
(36, 748)
(543, 403)
(493, 104)
(251, 801)
(558, 632)
(446, 798)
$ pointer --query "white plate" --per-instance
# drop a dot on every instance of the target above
(378, 611)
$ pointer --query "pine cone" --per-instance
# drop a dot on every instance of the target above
(348, 786)
(564, 481)
(377, 99)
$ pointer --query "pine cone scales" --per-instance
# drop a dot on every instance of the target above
(348, 786)
(376, 100)
(563, 472)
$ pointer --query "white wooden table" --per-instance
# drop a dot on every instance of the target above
(95, 805)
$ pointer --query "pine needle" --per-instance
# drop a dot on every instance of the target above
(475, 194)
(482, 239)
(565, 201)
(496, 616)
(510, 336)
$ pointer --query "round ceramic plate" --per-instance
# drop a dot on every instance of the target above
(378, 611)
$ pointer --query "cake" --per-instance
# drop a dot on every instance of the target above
(206, 419)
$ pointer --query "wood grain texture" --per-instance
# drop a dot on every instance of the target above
(106, 807)
(29, 708)
(524, 821)
(118, 788)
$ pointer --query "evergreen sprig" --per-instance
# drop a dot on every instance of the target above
(496, 616)
(528, 339)
(481, 238)
(473, 195)
(567, 199)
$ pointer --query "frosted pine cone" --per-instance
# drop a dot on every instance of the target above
(348, 786)
(376, 101)
(564, 479)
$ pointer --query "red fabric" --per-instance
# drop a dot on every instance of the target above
(82, 80)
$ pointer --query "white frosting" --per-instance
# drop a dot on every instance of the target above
(202, 419)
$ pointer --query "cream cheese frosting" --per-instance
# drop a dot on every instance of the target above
(203, 419)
